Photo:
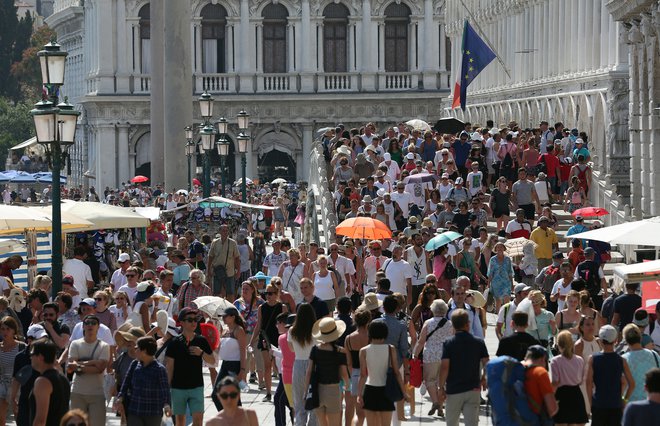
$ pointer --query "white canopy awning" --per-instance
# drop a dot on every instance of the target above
(638, 272)
(641, 232)
(223, 200)
(25, 144)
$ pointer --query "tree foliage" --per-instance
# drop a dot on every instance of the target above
(27, 71)
(15, 36)
(16, 125)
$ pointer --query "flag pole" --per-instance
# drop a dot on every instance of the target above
(497, 55)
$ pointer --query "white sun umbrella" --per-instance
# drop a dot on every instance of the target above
(418, 124)
(240, 181)
(70, 222)
(278, 181)
(211, 304)
(16, 219)
(641, 232)
(515, 246)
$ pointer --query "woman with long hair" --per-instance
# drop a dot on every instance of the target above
(228, 392)
(248, 306)
(300, 342)
(233, 349)
(639, 359)
(586, 309)
(265, 332)
(422, 311)
(121, 309)
(328, 366)
(352, 345)
(75, 417)
(375, 359)
(500, 202)
(466, 264)
(500, 273)
(569, 317)
(432, 203)
(440, 262)
(586, 346)
(9, 348)
(567, 373)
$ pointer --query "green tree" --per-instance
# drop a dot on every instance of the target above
(16, 125)
(27, 71)
(8, 29)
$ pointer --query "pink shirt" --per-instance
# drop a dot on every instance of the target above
(567, 372)
(288, 357)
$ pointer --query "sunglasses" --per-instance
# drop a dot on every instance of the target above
(130, 275)
(195, 278)
(99, 298)
(92, 322)
(270, 293)
(190, 319)
(228, 395)
(76, 424)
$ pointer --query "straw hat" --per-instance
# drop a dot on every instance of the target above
(371, 302)
(123, 337)
(479, 301)
(328, 330)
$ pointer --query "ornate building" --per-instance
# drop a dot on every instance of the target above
(136, 71)
(591, 64)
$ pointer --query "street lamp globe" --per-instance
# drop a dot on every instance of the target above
(189, 132)
(242, 139)
(52, 61)
(190, 148)
(206, 105)
(67, 121)
(243, 120)
(45, 119)
(208, 137)
(223, 147)
(223, 125)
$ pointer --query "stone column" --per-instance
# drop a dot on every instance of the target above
(157, 122)
(590, 35)
(598, 40)
(290, 45)
(319, 59)
(177, 77)
(136, 48)
(307, 40)
(105, 48)
(245, 47)
(432, 46)
(380, 43)
(368, 55)
(123, 158)
(352, 46)
(229, 37)
(259, 58)
(413, 62)
(106, 156)
(635, 142)
(307, 140)
(198, 65)
(124, 41)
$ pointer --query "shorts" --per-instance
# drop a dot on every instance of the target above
(431, 371)
(330, 398)
(182, 398)
(375, 399)
(355, 379)
(530, 211)
(221, 280)
(499, 213)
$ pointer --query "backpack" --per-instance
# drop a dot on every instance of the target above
(588, 271)
(551, 275)
(507, 162)
(506, 391)
(542, 167)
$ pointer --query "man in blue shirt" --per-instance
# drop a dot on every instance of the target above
(397, 334)
(641, 413)
(461, 149)
(458, 295)
(578, 228)
(462, 370)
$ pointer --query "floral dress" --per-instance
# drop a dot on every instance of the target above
(249, 316)
(501, 275)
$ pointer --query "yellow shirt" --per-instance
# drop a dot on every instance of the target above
(223, 254)
(544, 240)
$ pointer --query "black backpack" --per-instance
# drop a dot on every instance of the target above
(588, 271)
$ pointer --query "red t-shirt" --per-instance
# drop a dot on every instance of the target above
(537, 385)
(551, 164)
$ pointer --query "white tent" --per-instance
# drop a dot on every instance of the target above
(641, 233)
(638, 272)
(70, 222)
(16, 219)
(105, 216)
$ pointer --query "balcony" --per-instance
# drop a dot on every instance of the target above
(215, 83)
(60, 5)
(140, 84)
(337, 82)
(277, 83)
(394, 81)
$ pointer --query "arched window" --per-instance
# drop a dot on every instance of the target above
(145, 36)
(214, 20)
(274, 38)
(335, 35)
(397, 19)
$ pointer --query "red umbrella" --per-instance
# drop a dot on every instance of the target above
(139, 179)
(590, 212)
(196, 181)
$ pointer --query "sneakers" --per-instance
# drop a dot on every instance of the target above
(422, 389)
(253, 377)
(267, 398)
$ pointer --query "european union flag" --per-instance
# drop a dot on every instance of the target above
(476, 56)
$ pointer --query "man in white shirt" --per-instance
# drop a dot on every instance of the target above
(118, 278)
(88, 307)
(274, 260)
(503, 327)
(167, 301)
(344, 266)
(79, 270)
(403, 199)
(372, 264)
(400, 273)
(130, 288)
(562, 286)
(393, 169)
(420, 261)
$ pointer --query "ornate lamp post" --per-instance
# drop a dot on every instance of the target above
(223, 150)
(55, 126)
(243, 139)
(191, 149)
(208, 137)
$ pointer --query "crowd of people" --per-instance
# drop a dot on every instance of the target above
(345, 333)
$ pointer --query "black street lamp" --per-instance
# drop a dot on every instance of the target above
(208, 138)
(55, 126)
(243, 123)
(191, 149)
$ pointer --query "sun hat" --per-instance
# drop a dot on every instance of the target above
(479, 299)
(171, 326)
(131, 335)
(261, 276)
(371, 302)
(290, 320)
(410, 156)
(328, 330)
(387, 156)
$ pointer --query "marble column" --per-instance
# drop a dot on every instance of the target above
(604, 37)
(123, 157)
(598, 37)
(105, 47)
(157, 122)
(197, 55)
(177, 78)
(308, 39)
(106, 156)
(229, 37)
(246, 66)
(590, 35)
(123, 53)
(307, 139)
(432, 46)
(635, 142)
(368, 57)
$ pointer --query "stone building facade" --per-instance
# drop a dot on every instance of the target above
(137, 68)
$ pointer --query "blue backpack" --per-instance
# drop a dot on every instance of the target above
(506, 391)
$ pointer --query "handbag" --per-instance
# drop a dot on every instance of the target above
(416, 372)
(392, 389)
(312, 399)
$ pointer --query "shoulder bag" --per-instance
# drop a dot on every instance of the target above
(393, 391)
(312, 399)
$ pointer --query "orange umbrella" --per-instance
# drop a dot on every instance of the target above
(364, 228)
